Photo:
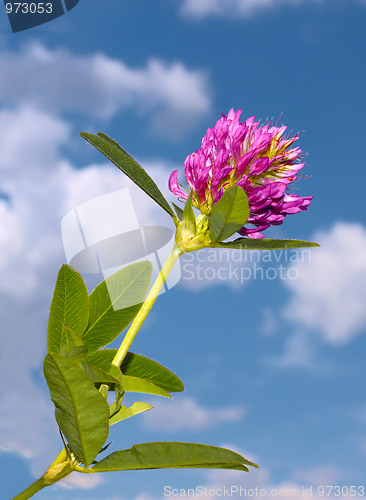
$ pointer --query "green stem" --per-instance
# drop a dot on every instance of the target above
(32, 489)
(146, 306)
(60, 468)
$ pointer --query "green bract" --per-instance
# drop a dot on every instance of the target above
(229, 214)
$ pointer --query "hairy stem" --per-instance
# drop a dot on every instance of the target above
(146, 306)
(32, 489)
(63, 465)
(60, 468)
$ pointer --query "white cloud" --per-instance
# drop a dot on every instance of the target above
(27, 146)
(42, 187)
(234, 268)
(59, 80)
(81, 481)
(186, 414)
(212, 266)
(299, 350)
(256, 483)
(200, 9)
(146, 496)
(322, 475)
(328, 296)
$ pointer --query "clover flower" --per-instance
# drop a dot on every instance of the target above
(257, 158)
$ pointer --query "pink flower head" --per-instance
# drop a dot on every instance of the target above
(257, 158)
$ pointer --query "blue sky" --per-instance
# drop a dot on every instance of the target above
(273, 368)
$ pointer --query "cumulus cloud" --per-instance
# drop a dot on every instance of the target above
(81, 481)
(299, 350)
(212, 266)
(260, 480)
(328, 296)
(30, 140)
(321, 475)
(199, 9)
(186, 414)
(234, 268)
(233, 9)
(41, 187)
(258, 483)
(58, 80)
